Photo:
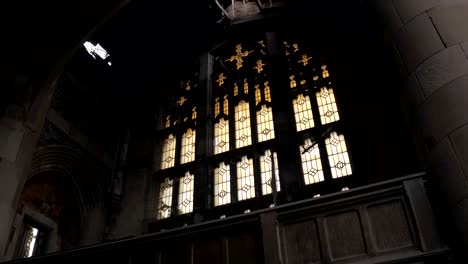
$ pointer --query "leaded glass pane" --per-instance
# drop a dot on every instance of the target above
(165, 199)
(266, 169)
(168, 153)
(188, 146)
(303, 112)
(242, 124)
(186, 194)
(221, 136)
(222, 185)
(265, 127)
(338, 155)
(311, 163)
(30, 239)
(245, 179)
(327, 105)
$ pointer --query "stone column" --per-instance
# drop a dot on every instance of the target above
(430, 41)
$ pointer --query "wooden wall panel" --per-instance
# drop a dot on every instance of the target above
(344, 235)
(301, 243)
(208, 251)
(245, 248)
(176, 253)
(389, 225)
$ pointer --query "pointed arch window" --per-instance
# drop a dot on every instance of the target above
(268, 170)
(245, 179)
(316, 117)
(178, 134)
(165, 199)
(168, 153)
(186, 194)
(241, 75)
(222, 184)
(242, 123)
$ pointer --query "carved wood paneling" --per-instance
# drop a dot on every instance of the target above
(389, 225)
(301, 243)
(344, 235)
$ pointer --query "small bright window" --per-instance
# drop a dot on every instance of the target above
(186, 194)
(338, 155)
(245, 179)
(327, 106)
(222, 185)
(168, 154)
(265, 124)
(303, 112)
(96, 50)
(221, 136)
(165, 199)
(242, 123)
(311, 163)
(188, 146)
(267, 162)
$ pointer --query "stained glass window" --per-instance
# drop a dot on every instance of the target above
(242, 124)
(258, 95)
(265, 127)
(268, 161)
(221, 136)
(217, 107)
(226, 105)
(327, 106)
(303, 112)
(188, 146)
(186, 194)
(338, 155)
(165, 199)
(222, 185)
(168, 153)
(267, 92)
(30, 239)
(245, 179)
(311, 163)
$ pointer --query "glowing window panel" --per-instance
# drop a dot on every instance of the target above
(311, 163)
(258, 96)
(186, 194)
(188, 146)
(30, 241)
(222, 185)
(221, 136)
(327, 105)
(266, 169)
(267, 92)
(265, 127)
(96, 50)
(168, 121)
(236, 89)
(303, 112)
(338, 155)
(242, 124)
(246, 87)
(217, 107)
(325, 73)
(168, 153)
(245, 179)
(226, 105)
(165, 199)
(194, 113)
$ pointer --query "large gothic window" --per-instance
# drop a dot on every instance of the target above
(316, 116)
(177, 153)
(243, 119)
(240, 149)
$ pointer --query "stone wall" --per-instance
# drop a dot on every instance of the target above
(431, 40)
